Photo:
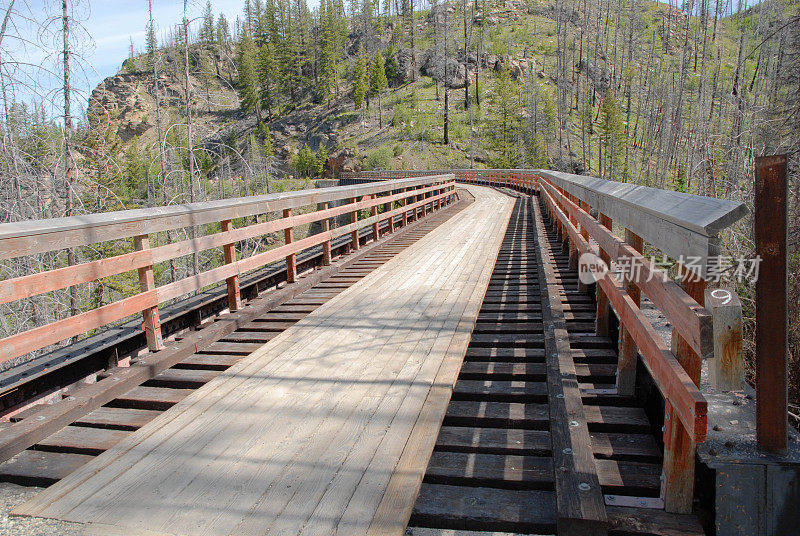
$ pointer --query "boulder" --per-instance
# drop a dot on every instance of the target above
(446, 71)
(405, 65)
(437, 13)
(598, 74)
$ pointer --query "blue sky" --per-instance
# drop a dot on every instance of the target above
(110, 25)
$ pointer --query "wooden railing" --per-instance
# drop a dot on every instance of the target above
(680, 225)
(416, 197)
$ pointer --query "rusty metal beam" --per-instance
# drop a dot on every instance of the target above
(771, 303)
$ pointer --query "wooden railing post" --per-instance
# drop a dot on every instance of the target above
(376, 228)
(291, 260)
(403, 203)
(388, 207)
(726, 370)
(354, 219)
(679, 448)
(151, 322)
(583, 288)
(626, 364)
(229, 251)
(326, 246)
(601, 326)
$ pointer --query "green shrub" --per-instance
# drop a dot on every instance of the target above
(380, 158)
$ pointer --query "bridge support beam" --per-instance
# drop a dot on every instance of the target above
(376, 228)
(404, 202)
(583, 288)
(772, 329)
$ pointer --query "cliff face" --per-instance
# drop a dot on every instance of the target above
(127, 99)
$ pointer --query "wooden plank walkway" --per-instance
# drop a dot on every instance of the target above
(327, 428)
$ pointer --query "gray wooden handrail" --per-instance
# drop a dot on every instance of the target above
(677, 223)
(680, 225)
(38, 236)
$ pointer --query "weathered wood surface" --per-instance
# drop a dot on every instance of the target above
(672, 380)
(326, 427)
(36, 236)
(579, 497)
(679, 224)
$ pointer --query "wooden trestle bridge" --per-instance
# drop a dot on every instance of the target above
(429, 361)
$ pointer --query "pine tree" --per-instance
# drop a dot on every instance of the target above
(207, 29)
(505, 124)
(322, 159)
(288, 56)
(305, 162)
(151, 44)
(391, 62)
(328, 61)
(612, 138)
(223, 31)
(248, 77)
(266, 78)
(360, 85)
(377, 82)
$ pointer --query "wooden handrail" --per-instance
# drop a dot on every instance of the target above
(673, 382)
(690, 318)
(38, 236)
(440, 188)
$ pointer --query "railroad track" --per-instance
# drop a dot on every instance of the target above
(64, 451)
(500, 444)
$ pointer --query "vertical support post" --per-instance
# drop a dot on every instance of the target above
(151, 321)
(403, 203)
(726, 370)
(229, 251)
(291, 260)
(583, 288)
(376, 228)
(573, 247)
(601, 327)
(387, 208)
(354, 219)
(771, 303)
(326, 246)
(679, 448)
(628, 352)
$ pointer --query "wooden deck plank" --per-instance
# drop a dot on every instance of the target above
(452, 507)
(341, 395)
(36, 468)
(118, 418)
(82, 440)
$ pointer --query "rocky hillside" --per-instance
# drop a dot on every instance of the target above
(406, 131)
